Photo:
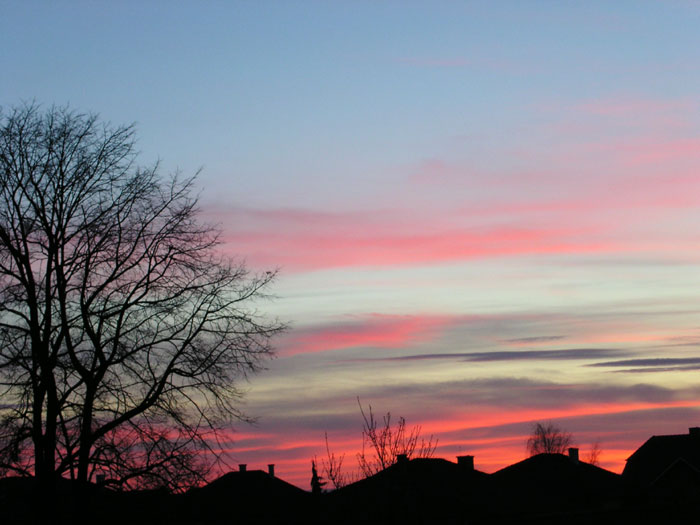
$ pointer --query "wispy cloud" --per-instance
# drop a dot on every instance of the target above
(373, 330)
(651, 365)
(498, 217)
(660, 361)
(518, 355)
(376, 247)
(535, 339)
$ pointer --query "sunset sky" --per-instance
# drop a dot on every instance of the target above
(484, 214)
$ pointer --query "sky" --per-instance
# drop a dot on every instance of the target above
(484, 214)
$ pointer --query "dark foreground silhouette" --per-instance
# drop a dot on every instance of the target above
(661, 484)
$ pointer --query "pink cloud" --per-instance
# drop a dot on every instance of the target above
(491, 416)
(592, 193)
(373, 247)
(662, 150)
(375, 330)
(578, 215)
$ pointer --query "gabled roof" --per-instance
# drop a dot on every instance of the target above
(654, 459)
(556, 482)
(252, 496)
(554, 467)
(250, 482)
(410, 491)
(431, 474)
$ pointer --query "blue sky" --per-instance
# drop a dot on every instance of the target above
(438, 182)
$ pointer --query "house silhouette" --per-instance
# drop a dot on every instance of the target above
(246, 496)
(550, 485)
(666, 461)
(660, 484)
(420, 490)
(546, 488)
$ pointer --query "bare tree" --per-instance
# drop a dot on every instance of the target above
(123, 331)
(548, 438)
(333, 467)
(15, 457)
(594, 454)
(382, 444)
(140, 455)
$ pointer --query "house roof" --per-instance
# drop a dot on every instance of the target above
(253, 496)
(556, 482)
(652, 461)
(432, 474)
(408, 491)
(554, 467)
(247, 484)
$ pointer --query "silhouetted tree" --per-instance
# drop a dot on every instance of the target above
(333, 467)
(548, 438)
(317, 482)
(594, 454)
(382, 444)
(15, 433)
(123, 332)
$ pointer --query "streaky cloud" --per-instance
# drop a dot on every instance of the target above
(536, 339)
(687, 368)
(656, 362)
(374, 330)
(510, 355)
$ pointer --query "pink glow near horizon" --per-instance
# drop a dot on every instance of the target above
(497, 416)
(491, 454)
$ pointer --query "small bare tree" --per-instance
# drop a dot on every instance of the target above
(382, 444)
(594, 454)
(548, 438)
(333, 467)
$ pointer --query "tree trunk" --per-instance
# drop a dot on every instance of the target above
(45, 465)
(85, 436)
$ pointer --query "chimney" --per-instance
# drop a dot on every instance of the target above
(466, 462)
(402, 458)
(573, 454)
(242, 467)
(694, 431)
(271, 469)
